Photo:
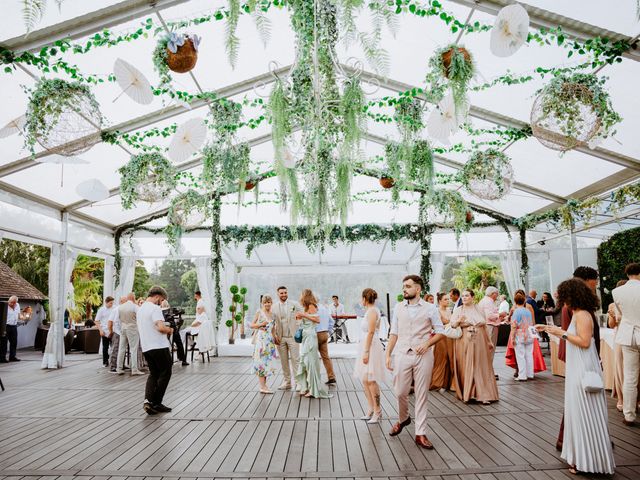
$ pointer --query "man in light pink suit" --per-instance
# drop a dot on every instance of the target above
(412, 325)
(494, 319)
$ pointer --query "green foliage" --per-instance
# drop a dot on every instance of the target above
(564, 100)
(477, 274)
(169, 275)
(237, 298)
(231, 41)
(29, 261)
(159, 59)
(150, 169)
(613, 256)
(234, 289)
(48, 101)
(182, 206)
(229, 323)
(490, 165)
(456, 75)
(400, 297)
(141, 280)
(453, 208)
(32, 12)
(243, 291)
(279, 115)
(87, 286)
(189, 282)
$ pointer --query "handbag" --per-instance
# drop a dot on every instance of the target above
(452, 332)
(592, 382)
(298, 335)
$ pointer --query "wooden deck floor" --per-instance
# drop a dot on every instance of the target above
(82, 422)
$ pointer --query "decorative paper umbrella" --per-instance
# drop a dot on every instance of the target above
(132, 82)
(93, 190)
(188, 138)
(443, 120)
(14, 126)
(61, 160)
(510, 30)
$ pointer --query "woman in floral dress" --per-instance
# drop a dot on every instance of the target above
(265, 350)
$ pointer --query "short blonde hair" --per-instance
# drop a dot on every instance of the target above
(266, 299)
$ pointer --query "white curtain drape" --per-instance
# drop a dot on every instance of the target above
(207, 333)
(510, 263)
(127, 274)
(109, 278)
(54, 350)
(437, 269)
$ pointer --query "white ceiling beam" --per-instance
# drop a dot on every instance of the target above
(543, 18)
(87, 24)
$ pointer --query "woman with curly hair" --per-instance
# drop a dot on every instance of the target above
(586, 444)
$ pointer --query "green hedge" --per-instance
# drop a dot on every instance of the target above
(613, 255)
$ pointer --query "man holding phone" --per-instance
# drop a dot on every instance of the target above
(154, 339)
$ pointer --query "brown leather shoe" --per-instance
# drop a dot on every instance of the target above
(423, 441)
(397, 427)
(628, 423)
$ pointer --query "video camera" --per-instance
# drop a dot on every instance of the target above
(173, 316)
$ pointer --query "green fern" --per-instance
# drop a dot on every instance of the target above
(279, 111)
(346, 18)
(232, 42)
(32, 12)
(263, 25)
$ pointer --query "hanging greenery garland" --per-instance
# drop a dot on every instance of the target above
(488, 175)
(148, 177)
(64, 117)
(571, 110)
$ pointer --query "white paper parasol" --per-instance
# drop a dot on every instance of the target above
(443, 121)
(14, 126)
(188, 138)
(62, 161)
(132, 82)
(93, 190)
(509, 31)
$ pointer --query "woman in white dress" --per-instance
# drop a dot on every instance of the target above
(370, 368)
(586, 445)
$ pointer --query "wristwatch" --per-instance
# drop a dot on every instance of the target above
(564, 336)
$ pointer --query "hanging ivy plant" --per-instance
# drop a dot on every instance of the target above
(187, 210)
(60, 116)
(488, 174)
(573, 109)
(452, 207)
(451, 66)
(147, 177)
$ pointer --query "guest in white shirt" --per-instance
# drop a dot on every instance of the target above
(154, 339)
(102, 320)
(627, 299)
(114, 329)
(504, 305)
(11, 336)
(337, 309)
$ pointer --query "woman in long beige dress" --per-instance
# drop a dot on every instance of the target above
(443, 355)
(474, 377)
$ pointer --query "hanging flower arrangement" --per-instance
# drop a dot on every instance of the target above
(451, 66)
(177, 52)
(147, 177)
(488, 175)
(572, 110)
(63, 117)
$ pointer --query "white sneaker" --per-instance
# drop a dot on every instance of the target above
(284, 386)
(120, 371)
(136, 372)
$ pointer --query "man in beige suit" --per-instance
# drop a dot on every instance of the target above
(284, 313)
(126, 314)
(414, 320)
(627, 299)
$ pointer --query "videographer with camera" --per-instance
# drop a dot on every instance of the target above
(173, 316)
(154, 339)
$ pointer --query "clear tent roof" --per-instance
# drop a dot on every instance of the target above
(544, 179)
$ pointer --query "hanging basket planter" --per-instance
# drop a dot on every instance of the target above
(185, 57)
(176, 52)
(249, 185)
(571, 111)
(488, 175)
(447, 58)
(387, 182)
(148, 177)
(469, 216)
(63, 117)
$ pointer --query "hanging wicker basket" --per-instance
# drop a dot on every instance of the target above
(387, 182)
(447, 56)
(184, 59)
